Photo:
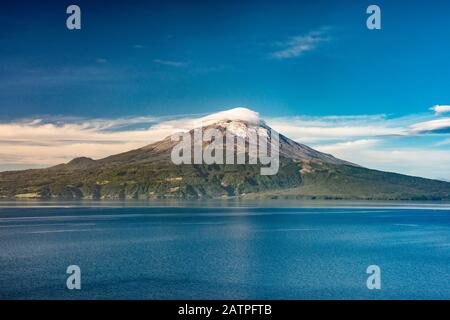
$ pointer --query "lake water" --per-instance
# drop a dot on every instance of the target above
(243, 252)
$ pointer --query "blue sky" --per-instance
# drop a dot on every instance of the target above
(286, 60)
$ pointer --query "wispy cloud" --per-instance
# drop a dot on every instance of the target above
(376, 154)
(40, 143)
(176, 64)
(298, 45)
(438, 126)
(402, 144)
(338, 128)
(44, 142)
(440, 109)
(43, 77)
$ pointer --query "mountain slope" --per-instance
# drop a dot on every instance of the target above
(148, 172)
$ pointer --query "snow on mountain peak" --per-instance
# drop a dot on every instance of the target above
(236, 114)
(239, 121)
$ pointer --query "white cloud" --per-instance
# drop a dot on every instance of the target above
(375, 141)
(432, 126)
(348, 145)
(422, 162)
(46, 142)
(298, 45)
(176, 64)
(440, 109)
(239, 113)
(314, 129)
(43, 144)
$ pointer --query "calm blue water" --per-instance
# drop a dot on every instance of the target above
(224, 253)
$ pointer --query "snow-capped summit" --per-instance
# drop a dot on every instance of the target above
(236, 114)
(244, 123)
(239, 121)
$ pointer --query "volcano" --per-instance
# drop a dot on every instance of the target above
(149, 173)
